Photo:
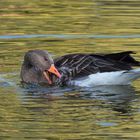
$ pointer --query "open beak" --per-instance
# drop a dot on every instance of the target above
(52, 70)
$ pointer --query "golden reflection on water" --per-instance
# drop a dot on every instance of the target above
(102, 113)
(45, 116)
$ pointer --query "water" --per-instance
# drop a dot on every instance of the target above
(61, 27)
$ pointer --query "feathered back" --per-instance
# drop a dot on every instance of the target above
(79, 65)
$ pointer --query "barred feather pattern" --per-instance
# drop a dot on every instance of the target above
(83, 66)
(79, 65)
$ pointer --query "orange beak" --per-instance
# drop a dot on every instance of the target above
(53, 70)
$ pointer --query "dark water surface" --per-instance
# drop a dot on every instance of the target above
(70, 113)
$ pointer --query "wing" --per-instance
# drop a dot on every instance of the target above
(124, 57)
(79, 65)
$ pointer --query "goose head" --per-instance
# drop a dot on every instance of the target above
(38, 66)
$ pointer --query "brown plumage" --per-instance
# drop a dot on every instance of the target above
(72, 66)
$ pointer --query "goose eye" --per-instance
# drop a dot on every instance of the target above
(30, 65)
(46, 59)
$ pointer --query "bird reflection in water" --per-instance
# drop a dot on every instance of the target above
(119, 98)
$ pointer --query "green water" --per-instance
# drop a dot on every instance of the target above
(70, 113)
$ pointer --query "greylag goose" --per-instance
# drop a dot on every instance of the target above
(79, 68)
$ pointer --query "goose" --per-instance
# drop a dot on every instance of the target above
(79, 69)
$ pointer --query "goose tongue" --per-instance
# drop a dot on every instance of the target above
(52, 70)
